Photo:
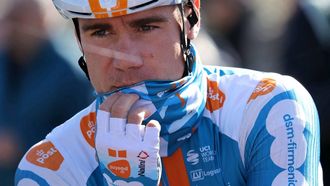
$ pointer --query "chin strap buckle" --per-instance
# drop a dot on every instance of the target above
(190, 58)
(83, 66)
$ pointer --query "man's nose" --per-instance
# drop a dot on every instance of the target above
(126, 56)
(122, 59)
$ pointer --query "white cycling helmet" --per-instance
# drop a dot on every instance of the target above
(109, 8)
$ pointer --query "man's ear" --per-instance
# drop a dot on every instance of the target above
(192, 32)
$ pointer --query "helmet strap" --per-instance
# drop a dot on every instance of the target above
(81, 61)
(83, 66)
(185, 42)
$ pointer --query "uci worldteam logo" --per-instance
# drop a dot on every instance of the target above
(192, 157)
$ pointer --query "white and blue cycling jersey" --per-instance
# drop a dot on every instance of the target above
(255, 129)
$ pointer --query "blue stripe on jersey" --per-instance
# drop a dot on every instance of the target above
(313, 142)
(226, 72)
(164, 180)
(203, 155)
(257, 153)
(208, 70)
(96, 178)
(214, 70)
(212, 158)
(231, 161)
(22, 174)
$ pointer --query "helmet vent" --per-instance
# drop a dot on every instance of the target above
(80, 13)
(143, 4)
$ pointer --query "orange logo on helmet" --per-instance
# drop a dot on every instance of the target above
(264, 87)
(118, 10)
(96, 8)
(45, 155)
(215, 97)
(120, 168)
(88, 127)
(197, 4)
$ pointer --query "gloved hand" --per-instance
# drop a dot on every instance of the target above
(128, 152)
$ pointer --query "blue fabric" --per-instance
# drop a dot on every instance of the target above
(179, 105)
(34, 99)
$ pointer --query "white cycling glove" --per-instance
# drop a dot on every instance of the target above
(127, 152)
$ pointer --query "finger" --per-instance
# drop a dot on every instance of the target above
(122, 105)
(152, 131)
(102, 121)
(117, 126)
(107, 104)
(137, 114)
(135, 131)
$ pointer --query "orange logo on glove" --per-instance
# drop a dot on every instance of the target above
(45, 155)
(264, 87)
(88, 127)
(215, 97)
(120, 168)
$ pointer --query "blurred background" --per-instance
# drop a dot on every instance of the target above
(41, 85)
(286, 36)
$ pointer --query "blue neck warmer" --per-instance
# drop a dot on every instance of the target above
(177, 105)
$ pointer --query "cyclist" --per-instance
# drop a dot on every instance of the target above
(161, 117)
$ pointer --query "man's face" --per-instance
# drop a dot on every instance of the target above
(125, 50)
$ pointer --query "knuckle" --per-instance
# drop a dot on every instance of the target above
(104, 106)
(135, 119)
(136, 115)
(108, 102)
(123, 104)
(119, 110)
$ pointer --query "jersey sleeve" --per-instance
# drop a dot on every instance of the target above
(281, 137)
(65, 157)
(42, 165)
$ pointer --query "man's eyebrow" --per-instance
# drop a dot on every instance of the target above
(148, 20)
(96, 26)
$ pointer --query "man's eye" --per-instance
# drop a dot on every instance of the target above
(100, 33)
(146, 28)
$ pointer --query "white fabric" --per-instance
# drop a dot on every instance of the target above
(140, 144)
